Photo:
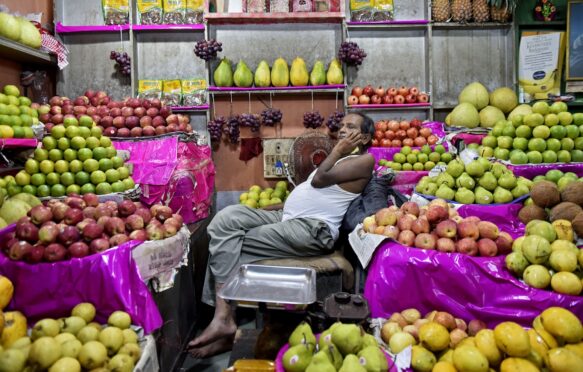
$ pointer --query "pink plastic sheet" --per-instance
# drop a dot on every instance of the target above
(532, 170)
(388, 152)
(405, 181)
(467, 287)
(109, 280)
(468, 138)
(505, 216)
(153, 160)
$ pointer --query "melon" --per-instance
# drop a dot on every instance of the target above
(9, 26)
(476, 94)
(504, 98)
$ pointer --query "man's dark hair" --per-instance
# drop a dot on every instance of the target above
(367, 126)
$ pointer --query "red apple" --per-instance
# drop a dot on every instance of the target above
(387, 100)
(425, 241)
(445, 245)
(409, 98)
(407, 238)
(446, 229)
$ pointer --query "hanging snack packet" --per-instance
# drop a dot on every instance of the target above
(194, 12)
(194, 92)
(384, 10)
(279, 6)
(172, 93)
(174, 11)
(150, 89)
(150, 12)
(116, 12)
(302, 5)
(361, 10)
(256, 6)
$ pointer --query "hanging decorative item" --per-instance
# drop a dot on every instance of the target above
(545, 11)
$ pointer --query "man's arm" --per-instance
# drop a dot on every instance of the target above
(273, 207)
(347, 171)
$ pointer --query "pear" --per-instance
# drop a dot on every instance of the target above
(87, 334)
(347, 338)
(445, 178)
(121, 363)
(445, 192)
(71, 348)
(429, 189)
(112, 339)
(92, 355)
(508, 181)
(119, 319)
(475, 169)
(320, 363)
(64, 337)
(297, 358)
(498, 169)
(488, 181)
(129, 336)
(373, 359)
(132, 350)
(351, 364)
(455, 168)
(223, 75)
(66, 364)
(483, 196)
(280, 73)
(485, 163)
(262, 75)
(524, 181)
(334, 74)
(465, 181)
(325, 339)
(72, 324)
(318, 74)
(84, 310)
(369, 340)
(44, 352)
(502, 196)
(302, 335)
(45, 328)
(519, 191)
(12, 360)
(243, 77)
(464, 196)
(298, 74)
(334, 355)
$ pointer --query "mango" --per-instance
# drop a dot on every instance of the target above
(14, 328)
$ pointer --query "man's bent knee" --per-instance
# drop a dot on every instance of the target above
(224, 218)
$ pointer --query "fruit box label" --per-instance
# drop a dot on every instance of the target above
(172, 86)
(149, 85)
(174, 5)
(384, 5)
(360, 4)
(146, 5)
(120, 5)
(194, 4)
(189, 86)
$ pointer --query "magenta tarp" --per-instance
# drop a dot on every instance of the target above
(468, 138)
(505, 216)
(532, 170)
(109, 280)
(405, 181)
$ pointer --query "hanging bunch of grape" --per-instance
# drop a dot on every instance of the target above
(271, 116)
(215, 128)
(123, 62)
(313, 119)
(250, 121)
(207, 49)
(351, 54)
(334, 120)
(232, 129)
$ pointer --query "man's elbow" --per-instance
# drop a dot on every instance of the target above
(318, 182)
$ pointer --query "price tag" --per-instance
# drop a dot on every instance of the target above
(468, 155)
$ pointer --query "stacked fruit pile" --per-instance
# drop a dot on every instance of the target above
(132, 117)
(394, 133)
(259, 198)
(479, 182)
(280, 75)
(75, 159)
(70, 344)
(81, 226)
(418, 160)
(476, 107)
(441, 343)
(380, 96)
(17, 114)
(15, 207)
(342, 347)
(549, 134)
(438, 226)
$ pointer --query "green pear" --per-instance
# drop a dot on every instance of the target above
(502, 196)
(297, 358)
(464, 196)
(524, 181)
(302, 335)
(429, 189)
(488, 181)
(223, 75)
(498, 169)
(455, 168)
(351, 364)
(298, 73)
(373, 359)
(485, 163)
(369, 340)
(444, 192)
(325, 339)
(483, 196)
(475, 168)
(519, 191)
(320, 363)
(318, 74)
(243, 77)
(465, 181)
(334, 355)
(445, 178)
(262, 76)
(347, 338)
(508, 181)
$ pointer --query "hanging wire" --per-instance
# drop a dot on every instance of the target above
(312, 100)
(336, 100)
(231, 107)
(249, 101)
(214, 106)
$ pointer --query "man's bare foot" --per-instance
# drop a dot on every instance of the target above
(218, 329)
(214, 348)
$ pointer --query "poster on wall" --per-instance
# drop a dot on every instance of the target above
(575, 37)
(541, 56)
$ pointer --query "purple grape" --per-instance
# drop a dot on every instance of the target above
(351, 54)
(334, 120)
(313, 120)
(271, 116)
(250, 121)
(207, 49)
(232, 129)
(123, 62)
(215, 128)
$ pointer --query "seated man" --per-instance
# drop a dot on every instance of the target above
(307, 226)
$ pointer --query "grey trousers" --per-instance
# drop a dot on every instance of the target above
(241, 235)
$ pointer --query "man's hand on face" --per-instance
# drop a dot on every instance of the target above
(347, 144)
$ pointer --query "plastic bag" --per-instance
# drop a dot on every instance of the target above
(302, 5)
(194, 92)
(150, 12)
(279, 6)
(150, 89)
(256, 6)
(194, 12)
(116, 12)
(172, 93)
(371, 10)
(174, 12)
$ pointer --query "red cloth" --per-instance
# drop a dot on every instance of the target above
(250, 148)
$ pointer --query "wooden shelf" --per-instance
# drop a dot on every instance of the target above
(12, 50)
(267, 18)
(466, 26)
(267, 90)
(406, 106)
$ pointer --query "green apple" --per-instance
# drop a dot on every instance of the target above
(98, 177)
(84, 132)
(61, 166)
(541, 132)
(57, 190)
(579, 143)
(70, 155)
(551, 120)
(86, 121)
(78, 142)
(113, 175)
(540, 107)
(31, 166)
(553, 144)
(105, 164)
(124, 172)
(129, 183)
(534, 120)
(558, 107)
(578, 118)
(49, 143)
(103, 188)
(70, 121)
(88, 188)
(549, 156)
(82, 177)
(43, 191)
(93, 142)
(509, 131)
(523, 131)
(96, 132)
(90, 165)
(566, 118)
(407, 166)
(63, 143)
(498, 129)
(84, 154)
(38, 179)
(71, 132)
(105, 141)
